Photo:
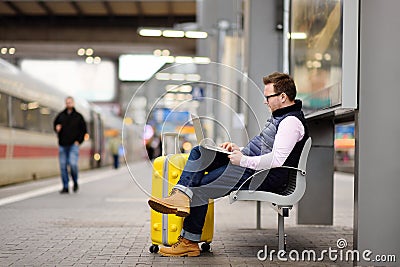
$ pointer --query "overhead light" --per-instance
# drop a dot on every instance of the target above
(183, 60)
(318, 56)
(162, 76)
(156, 32)
(150, 32)
(171, 87)
(89, 60)
(316, 64)
(33, 105)
(185, 88)
(97, 60)
(193, 77)
(177, 77)
(168, 59)
(201, 60)
(157, 52)
(173, 33)
(297, 35)
(11, 50)
(5, 50)
(89, 52)
(196, 34)
(327, 56)
(81, 51)
(165, 52)
(178, 88)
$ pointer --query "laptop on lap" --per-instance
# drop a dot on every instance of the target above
(201, 140)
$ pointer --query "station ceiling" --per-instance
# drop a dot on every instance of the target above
(171, 10)
(109, 24)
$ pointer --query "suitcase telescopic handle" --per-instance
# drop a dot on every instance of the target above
(167, 139)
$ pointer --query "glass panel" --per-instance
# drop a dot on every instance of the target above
(18, 108)
(316, 52)
(3, 110)
(32, 116)
(46, 119)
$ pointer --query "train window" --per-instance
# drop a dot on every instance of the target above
(32, 116)
(3, 110)
(18, 108)
(47, 117)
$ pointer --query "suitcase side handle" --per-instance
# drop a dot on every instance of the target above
(169, 139)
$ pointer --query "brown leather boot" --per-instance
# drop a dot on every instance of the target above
(177, 203)
(183, 247)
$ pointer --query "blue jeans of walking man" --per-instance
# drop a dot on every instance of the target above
(68, 156)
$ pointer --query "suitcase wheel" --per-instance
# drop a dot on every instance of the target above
(153, 249)
(205, 247)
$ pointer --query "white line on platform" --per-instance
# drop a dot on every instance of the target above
(123, 200)
(50, 189)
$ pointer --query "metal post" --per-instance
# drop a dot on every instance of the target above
(258, 215)
(281, 232)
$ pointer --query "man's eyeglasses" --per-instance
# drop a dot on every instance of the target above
(267, 97)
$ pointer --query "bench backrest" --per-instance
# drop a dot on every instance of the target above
(292, 195)
(295, 177)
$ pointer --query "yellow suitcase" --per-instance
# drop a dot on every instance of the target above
(166, 228)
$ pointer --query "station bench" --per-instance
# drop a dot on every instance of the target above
(283, 202)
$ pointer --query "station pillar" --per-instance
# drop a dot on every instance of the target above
(377, 168)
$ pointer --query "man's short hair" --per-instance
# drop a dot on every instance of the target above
(283, 83)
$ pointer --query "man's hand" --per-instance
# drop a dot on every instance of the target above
(229, 146)
(58, 128)
(235, 157)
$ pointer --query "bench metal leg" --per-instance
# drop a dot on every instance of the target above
(258, 214)
(281, 232)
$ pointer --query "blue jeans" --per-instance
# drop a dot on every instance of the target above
(116, 161)
(68, 155)
(207, 175)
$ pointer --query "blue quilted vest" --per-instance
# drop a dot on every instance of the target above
(277, 179)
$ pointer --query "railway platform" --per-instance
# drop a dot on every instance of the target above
(106, 223)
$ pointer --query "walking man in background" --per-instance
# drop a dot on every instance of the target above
(115, 146)
(71, 129)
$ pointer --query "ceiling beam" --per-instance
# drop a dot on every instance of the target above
(170, 11)
(108, 7)
(140, 15)
(94, 21)
(139, 8)
(14, 8)
(46, 8)
(77, 8)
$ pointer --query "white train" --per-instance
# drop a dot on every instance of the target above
(28, 144)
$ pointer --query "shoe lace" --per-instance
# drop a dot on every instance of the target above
(177, 243)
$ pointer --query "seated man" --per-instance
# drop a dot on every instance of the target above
(279, 144)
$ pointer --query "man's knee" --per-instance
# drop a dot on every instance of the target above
(195, 149)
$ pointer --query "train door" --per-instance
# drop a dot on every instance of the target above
(96, 129)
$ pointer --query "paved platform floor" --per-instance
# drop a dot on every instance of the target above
(107, 223)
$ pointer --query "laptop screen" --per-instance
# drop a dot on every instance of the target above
(197, 128)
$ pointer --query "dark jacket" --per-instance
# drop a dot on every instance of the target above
(73, 127)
